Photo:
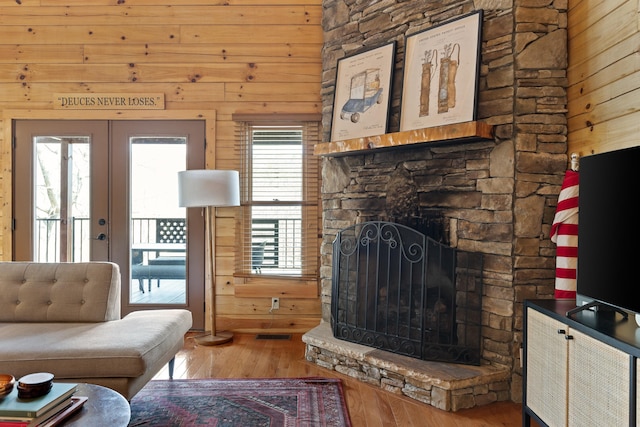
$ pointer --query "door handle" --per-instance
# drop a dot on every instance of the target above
(101, 236)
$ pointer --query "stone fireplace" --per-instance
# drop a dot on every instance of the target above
(432, 188)
(495, 196)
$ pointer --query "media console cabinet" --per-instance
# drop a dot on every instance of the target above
(579, 370)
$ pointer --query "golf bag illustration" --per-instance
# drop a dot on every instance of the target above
(430, 57)
(447, 83)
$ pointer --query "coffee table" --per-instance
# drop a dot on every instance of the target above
(104, 407)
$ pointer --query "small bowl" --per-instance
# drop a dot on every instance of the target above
(6, 384)
(34, 385)
(35, 380)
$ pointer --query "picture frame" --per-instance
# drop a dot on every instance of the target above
(441, 69)
(362, 93)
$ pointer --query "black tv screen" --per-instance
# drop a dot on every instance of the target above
(608, 269)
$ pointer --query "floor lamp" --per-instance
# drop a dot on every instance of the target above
(210, 188)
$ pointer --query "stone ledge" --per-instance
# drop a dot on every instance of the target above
(447, 386)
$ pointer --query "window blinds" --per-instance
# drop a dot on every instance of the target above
(280, 195)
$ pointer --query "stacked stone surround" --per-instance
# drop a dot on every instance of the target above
(495, 196)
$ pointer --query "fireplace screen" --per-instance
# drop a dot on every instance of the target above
(395, 289)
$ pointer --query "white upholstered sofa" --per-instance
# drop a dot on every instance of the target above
(64, 318)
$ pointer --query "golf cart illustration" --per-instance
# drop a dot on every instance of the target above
(365, 91)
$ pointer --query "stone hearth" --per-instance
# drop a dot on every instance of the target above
(446, 386)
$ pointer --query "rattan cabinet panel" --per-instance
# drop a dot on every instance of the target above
(598, 383)
(579, 370)
(546, 368)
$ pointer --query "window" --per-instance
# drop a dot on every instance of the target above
(279, 179)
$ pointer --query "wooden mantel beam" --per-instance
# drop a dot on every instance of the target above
(453, 132)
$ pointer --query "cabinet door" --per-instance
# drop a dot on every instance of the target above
(546, 368)
(598, 383)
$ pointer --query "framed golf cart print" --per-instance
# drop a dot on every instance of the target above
(362, 93)
(441, 67)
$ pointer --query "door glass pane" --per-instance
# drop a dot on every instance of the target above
(62, 199)
(158, 224)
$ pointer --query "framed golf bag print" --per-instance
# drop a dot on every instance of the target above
(441, 67)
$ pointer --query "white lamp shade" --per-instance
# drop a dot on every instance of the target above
(208, 187)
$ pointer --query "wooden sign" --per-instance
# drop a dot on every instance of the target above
(108, 101)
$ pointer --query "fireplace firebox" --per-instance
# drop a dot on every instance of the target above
(396, 289)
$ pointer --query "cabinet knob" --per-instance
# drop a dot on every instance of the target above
(561, 331)
(568, 337)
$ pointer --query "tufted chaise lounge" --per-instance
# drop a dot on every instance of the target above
(64, 318)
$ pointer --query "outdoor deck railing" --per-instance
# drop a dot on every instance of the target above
(145, 230)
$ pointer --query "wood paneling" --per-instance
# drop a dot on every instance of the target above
(222, 56)
(603, 75)
(193, 15)
(274, 288)
(169, 73)
(202, 53)
(275, 322)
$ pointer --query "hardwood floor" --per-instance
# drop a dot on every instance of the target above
(369, 406)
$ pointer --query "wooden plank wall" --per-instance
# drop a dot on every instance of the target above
(210, 58)
(603, 76)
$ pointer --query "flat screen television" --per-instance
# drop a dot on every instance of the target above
(608, 269)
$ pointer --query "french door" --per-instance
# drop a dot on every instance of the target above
(107, 191)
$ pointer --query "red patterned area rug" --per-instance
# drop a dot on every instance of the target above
(244, 402)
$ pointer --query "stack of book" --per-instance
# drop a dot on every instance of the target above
(44, 411)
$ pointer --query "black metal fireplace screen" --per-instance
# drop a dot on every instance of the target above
(398, 290)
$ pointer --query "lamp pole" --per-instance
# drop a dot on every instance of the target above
(215, 338)
(210, 188)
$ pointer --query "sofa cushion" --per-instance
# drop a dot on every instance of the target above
(59, 292)
(122, 348)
